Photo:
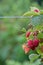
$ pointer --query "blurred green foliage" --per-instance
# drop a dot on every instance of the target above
(11, 38)
(15, 7)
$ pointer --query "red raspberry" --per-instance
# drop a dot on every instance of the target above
(36, 10)
(33, 48)
(36, 42)
(28, 34)
(25, 48)
(30, 44)
(35, 33)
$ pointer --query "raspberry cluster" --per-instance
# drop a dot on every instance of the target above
(35, 33)
(33, 43)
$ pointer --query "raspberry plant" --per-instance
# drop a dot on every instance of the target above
(34, 34)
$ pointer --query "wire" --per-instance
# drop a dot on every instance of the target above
(15, 16)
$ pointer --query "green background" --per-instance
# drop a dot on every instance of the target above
(11, 37)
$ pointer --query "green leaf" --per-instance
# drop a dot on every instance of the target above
(41, 12)
(37, 62)
(39, 50)
(23, 30)
(26, 63)
(37, 20)
(21, 39)
(30, 13)
(33, 57)
(10, 62)
(40, 35)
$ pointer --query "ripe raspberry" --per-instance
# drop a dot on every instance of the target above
(28, 34)
(30, 44)
(26, 48)
(36, 42)
(35, 33)
(33, 48)
(36, 10)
